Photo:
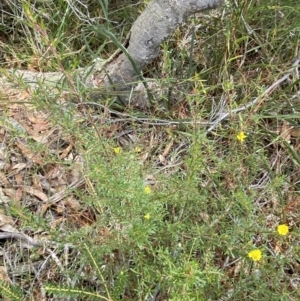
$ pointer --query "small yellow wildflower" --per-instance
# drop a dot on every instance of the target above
(241, 136)
(255, 255)
(283, 229)
(117, 150)
(147, 189)
(147, 216)
(137, 149)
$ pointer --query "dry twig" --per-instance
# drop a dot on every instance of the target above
(257, 99)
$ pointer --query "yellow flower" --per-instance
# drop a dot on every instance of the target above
(117, 150)
(137, 149)
(255, 255)
(283, 229)
(147, 216)
(147, 189)
(241, 136)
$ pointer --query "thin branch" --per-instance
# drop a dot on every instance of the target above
(20, 236)
(146, 120)
(257, 99)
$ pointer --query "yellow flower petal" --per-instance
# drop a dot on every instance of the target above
(147, 216)
(255, 255)
(241, 136)
(147, 189)
(117, 150)
(283, 229)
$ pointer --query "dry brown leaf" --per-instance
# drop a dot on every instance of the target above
(60, 208)
(3, 275)
(55, 223)
(44, 208)
(19, 179)
(6, 223)
(3, 198)
(285, 131)
(8, 228)
(42, 138)
(3, 179)
(72, 203)
(295, 132)
(40, 195)
(54, 172)
(19, 166)
(41, 127)
(13, 194)
(5, 220)
(18, 196)
(20, 94)
(65, 153)
(37, 182)
(26, 151)
(39, 124)
(111, 131)
(34, 134)
(277, 249)
(76, 172)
